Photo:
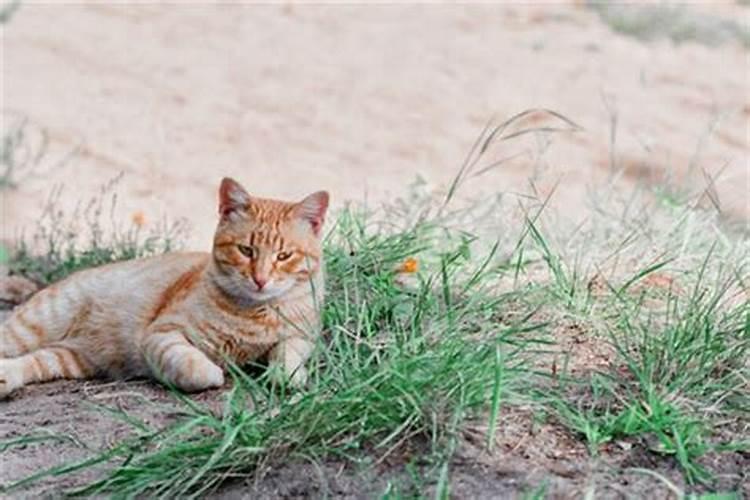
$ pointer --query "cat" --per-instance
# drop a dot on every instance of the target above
(180, 316)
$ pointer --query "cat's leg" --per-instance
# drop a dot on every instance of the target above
(290, 355)
(175, 360)
(51, 314)
(19, 335)
(49, 363)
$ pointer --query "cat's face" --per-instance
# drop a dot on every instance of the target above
(263, 248)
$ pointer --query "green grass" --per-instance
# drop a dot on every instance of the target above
(34, 438)
(677, 22)
(474, 332)
(8, 9)
(679, 353)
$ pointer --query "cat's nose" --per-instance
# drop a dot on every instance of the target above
(260, 282)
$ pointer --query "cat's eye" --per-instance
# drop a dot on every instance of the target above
(283, 255)
(247, 251)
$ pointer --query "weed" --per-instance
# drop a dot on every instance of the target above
(21, 152)
(676, 22)
(680, 359)
(64, 242)
(8, 9)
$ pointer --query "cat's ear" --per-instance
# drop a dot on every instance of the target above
(232, 197)
(313, 210)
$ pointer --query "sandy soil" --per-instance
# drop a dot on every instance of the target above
(359, 101)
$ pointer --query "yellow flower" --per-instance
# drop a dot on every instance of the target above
(409, 266)
(138, 218)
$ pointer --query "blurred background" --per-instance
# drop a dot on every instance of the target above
(364, 100)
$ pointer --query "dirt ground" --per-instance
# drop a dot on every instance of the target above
(528, 454)
(361, 100)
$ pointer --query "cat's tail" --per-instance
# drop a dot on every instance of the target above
(52, 314)
(15, 290)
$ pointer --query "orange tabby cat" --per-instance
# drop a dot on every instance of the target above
(180, 316)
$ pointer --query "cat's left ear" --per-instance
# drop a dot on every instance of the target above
(313, 210)
(232, 197)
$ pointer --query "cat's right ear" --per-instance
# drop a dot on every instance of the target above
(232, 198)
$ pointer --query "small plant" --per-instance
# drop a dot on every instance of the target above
(8, 9)
(24, 151)
(674, 21)
(64, 242)
(19, 153)
(679, 358)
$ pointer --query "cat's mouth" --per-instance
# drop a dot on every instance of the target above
(263, 295)
(247, 292)
(268, 292)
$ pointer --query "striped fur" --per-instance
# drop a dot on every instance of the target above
(180, 317)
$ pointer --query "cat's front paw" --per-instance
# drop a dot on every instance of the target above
(282, 376)
(298, 377)
(11, 377)
(200, 375)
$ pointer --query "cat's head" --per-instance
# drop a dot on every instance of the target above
(263, 248)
